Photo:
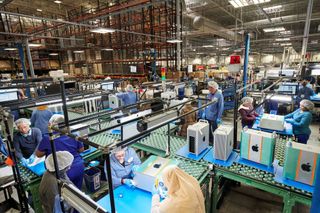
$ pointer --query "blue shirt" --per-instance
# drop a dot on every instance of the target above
(25, 146)
(215, 110)
(305, 93)
(119, 171)
(63, 143)
(301, 122)
(40, 119)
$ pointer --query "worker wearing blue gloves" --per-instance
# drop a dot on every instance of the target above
(129, 97)
(213, 113)
(40, 118)
(26, 141)
(300, 120)
(65, 143)
(124, 164)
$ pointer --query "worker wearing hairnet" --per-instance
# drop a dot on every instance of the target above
(184, 193)
(213, 113)
(26, 141)
(188, 119)
(65, 143)
(40, 118)
(48, 189)
(300, 120)
(129, 97)
(124, 163)
(248, 115)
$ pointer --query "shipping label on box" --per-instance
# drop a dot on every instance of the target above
(301, 162)
(257, 146)
(150, 170)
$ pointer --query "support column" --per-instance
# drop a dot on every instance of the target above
(23, 65)
(29, 58)
(178, 34)
(306, 34)
(246, 62)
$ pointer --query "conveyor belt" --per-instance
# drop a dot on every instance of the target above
(280, 151)
(193, 168)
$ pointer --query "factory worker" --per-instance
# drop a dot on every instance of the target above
(65, 143)
(129, 97)
(213, 113)
(124, 163)
(300, 120)
(304, 92)
(26, 141)
(188, 119)
(48, 189)
(248, 115)
(184, 193)
(40, 118)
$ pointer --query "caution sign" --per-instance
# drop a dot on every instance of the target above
(235, 59)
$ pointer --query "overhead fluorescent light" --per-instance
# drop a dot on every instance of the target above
(57, 2)
(286, 32)
(272, 8)
(174, 41)
(244, 3)
(286, 44)
(207, 46)
(34, 45)
(282, 39)
(199, 53)
(107, 49)
(53, 54)
(78, 51)
(10, 49)
(102, 30)
(60, 19)
(274, 29)
(39, 10)
(226, 48)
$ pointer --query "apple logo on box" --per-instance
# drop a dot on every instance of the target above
(157, 165)
(306, 167)
(255, 148)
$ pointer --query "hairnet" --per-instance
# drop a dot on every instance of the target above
(129, 88)
(64, 159)
(247, 100)
(213, 84)
(307, 104)
(22, 121)
(56, 118)
(183, 189)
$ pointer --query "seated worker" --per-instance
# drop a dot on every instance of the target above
(184, 193)
(187, 120)
(300, 120)
(26, 141)
(213, 113)
(304, 92)
(65, 143)
(40, 118)
(123, 165)
(248, 115)
(48, 189)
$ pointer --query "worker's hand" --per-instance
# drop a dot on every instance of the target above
(155, 190)
(31, 159)
(203, 115)
(134, 170)
(128, 182)
(219, 121)
(290, 121)
(24, 162)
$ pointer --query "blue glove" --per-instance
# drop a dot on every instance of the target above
(155, 191)
(24, 162)
(219, 121)
(290, 121)
(128, 182)
(203, 115)
(31, 159)
(134, 170)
